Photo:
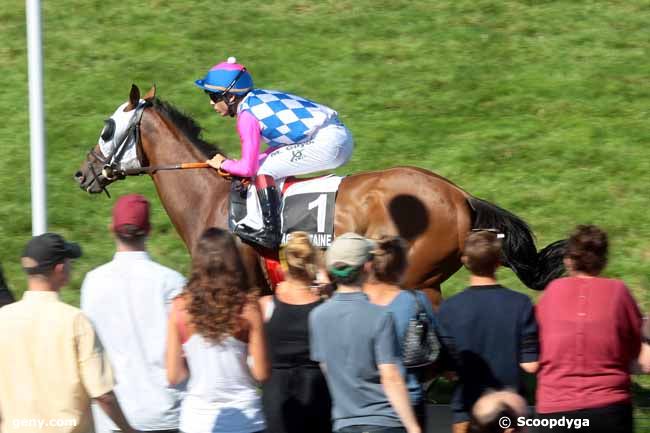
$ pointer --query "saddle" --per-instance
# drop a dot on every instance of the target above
(306, 205)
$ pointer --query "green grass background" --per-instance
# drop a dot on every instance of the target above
(538, 106)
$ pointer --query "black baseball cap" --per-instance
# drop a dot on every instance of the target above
(46, 250)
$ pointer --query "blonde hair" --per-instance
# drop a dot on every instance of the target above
(299, 257)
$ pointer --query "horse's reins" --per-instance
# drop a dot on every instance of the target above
(151, 169)
(112, 171)
(111, 168)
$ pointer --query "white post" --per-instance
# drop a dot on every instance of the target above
(36, 117)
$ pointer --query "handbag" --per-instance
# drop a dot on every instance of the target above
(421, 346)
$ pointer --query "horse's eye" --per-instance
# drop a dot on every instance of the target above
(109, 129)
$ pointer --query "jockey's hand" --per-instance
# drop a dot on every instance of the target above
(216, 161)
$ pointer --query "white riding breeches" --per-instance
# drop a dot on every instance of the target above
(329, 148)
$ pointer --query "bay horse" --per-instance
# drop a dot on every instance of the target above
(431, 213)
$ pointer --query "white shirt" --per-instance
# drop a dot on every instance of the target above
(128, 300)
(221, 393)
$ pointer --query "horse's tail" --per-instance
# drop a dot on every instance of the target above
(534, 269)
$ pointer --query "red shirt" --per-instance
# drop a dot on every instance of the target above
(589, 332)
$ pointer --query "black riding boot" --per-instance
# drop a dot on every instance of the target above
(268, 236)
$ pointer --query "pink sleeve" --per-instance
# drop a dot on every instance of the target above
(249, 134)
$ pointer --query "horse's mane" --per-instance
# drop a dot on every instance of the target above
(185, 123)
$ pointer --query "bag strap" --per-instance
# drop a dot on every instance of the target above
(419, 309)
(269, 308)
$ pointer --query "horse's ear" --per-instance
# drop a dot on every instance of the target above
(150, 94)
(134, 98)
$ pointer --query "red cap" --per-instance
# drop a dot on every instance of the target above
(131, 209)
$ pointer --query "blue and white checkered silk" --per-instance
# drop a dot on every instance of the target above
(285, 118)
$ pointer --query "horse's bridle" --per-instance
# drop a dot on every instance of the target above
(111, 164)
(111, 169)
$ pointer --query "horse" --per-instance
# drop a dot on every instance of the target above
(431, 213)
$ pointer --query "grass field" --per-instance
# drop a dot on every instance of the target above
(539, 106)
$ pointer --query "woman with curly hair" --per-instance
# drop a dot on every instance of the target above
(296, 399)
(214, 326)
(589, 332)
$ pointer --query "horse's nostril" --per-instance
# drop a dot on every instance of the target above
(79, 176)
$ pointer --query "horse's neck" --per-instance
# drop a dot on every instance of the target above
(194, 199)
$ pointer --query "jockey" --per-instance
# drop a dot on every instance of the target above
(302, 136)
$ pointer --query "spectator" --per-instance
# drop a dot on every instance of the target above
(55, 364)
(489, 330)
(215, 324)
(493, 407)
(128, 300)
(590, 332)
(355, 342)
(5, 294)
(296, 399)
(383, 288)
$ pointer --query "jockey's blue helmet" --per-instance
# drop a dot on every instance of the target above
(227, 77)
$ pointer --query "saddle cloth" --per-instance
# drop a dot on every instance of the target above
(307, 205)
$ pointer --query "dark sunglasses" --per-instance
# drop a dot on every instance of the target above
(214, 97)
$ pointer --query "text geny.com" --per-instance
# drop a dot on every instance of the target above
(41, 423)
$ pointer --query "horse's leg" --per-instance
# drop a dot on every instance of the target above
(252, 263)
(428, 276)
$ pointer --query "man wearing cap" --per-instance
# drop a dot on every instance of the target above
(51, 363)
(128, 301)
(355, 342)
